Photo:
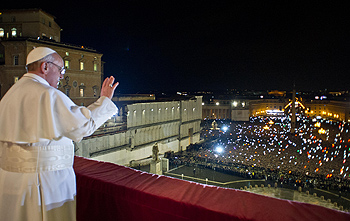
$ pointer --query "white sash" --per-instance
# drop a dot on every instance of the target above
(22, 158)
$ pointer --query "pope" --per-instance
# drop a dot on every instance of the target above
(37, 126)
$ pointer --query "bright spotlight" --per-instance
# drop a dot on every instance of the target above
(219, 149)
(224, 128)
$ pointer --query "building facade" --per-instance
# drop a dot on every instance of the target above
(266, 107)
(130, 135)
(329, 109)
(235, 109)
(36, 28)
(28, 22)
(242, 109)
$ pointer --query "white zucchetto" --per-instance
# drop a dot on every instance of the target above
(38, 53)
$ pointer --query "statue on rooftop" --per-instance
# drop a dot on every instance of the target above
(155, 152)
(214, 125)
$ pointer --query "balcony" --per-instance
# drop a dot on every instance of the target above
(107, 191)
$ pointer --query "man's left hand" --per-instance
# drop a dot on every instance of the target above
(108, 87)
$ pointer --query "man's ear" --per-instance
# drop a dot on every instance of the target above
(43, 67)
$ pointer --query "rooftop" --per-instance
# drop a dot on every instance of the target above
(47, 41)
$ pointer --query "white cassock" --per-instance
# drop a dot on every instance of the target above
(37, 126)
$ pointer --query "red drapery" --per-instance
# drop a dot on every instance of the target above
(107, 191)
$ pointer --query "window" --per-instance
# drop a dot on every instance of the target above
(81, 65)
(67, 91)
(15, 60)
(14, 32)
(2, 33)
(95, 67)
(94, 88)
(66, 63)
(15, 79)
(81, 90)
(67, 53)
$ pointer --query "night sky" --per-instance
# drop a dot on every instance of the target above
(210, 45)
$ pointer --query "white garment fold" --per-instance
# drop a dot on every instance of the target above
(32, 110)
(37, 126)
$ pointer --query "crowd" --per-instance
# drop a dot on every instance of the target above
(317, 154)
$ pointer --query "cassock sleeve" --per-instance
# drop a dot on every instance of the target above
(77, 122)
(31, 111)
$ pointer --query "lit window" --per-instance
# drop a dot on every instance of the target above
(16, 78)
(95, 67)
(67, 53)
(66, 64)
(81, 91)
(81, 65)
(2, 33)
(14, 32)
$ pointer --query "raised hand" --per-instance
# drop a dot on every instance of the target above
(108, 87)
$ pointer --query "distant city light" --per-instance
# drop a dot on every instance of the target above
(274, 112)
(224, 128)
(321, 131)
